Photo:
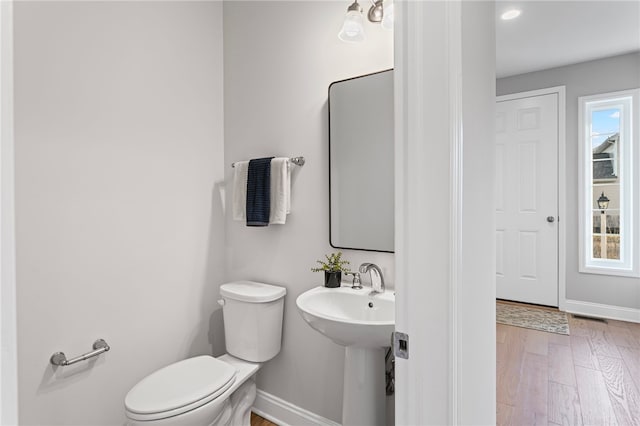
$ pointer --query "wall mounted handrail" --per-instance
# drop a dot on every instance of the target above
(99, 347)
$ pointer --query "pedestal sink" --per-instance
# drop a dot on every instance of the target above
(361, 321)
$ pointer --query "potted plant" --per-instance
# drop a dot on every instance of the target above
(333, 268)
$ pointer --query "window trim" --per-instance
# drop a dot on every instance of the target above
(629, 172)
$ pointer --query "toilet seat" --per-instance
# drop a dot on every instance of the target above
(179, 388)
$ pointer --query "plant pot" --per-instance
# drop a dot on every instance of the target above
(332, 279)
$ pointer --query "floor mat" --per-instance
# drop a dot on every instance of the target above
(535, 318)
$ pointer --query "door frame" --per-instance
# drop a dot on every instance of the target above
(562, 180)
(445, 290)
(8, 306)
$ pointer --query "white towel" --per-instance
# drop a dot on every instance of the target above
(239, 204)
(280, 190)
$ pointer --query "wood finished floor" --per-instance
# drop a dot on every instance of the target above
(591, 377)
(256, 420)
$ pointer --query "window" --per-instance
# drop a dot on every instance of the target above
(609, 183)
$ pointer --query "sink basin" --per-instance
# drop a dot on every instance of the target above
(350, 317)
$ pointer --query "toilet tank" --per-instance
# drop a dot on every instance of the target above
(252, 314)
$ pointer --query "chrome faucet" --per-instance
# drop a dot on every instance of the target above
(377, 280)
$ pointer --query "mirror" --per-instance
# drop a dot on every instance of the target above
(361, 157)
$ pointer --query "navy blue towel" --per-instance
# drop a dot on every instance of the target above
(259, 192)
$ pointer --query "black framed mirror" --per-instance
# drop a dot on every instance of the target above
(361, 163)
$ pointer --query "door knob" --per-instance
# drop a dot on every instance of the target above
(551, 219)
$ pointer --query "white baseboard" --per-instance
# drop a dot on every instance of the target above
(602, 311)
(285, 413)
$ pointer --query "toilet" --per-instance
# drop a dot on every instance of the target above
(208, 391)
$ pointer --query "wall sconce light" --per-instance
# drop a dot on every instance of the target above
(353, 30)
(603, 203)
(381, 11)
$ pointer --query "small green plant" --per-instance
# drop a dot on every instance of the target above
(334, 263)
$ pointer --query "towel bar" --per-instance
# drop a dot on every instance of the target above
(298, 161)
(99, 347)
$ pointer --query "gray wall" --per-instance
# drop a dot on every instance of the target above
(120, 233)
(588, 78)
(280, 58)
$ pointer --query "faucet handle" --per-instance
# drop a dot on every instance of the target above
(356, 280)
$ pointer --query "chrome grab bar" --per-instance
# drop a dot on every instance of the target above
(298, 161)
(99, 347)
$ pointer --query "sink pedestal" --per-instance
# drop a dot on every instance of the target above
(364, 399)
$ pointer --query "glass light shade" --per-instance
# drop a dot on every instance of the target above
(352, 29)
(387, 14)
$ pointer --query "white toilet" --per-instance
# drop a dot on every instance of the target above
(207, 391)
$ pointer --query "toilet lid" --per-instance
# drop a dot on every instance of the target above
(180, 385)
(252, 292)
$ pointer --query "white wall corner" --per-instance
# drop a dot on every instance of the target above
(475, 289)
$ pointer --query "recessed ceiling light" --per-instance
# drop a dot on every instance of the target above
(510, 14)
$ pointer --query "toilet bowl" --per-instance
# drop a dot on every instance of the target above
(210, 391)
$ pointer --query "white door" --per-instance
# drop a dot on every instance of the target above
(527, 198)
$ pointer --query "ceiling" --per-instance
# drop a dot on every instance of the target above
(549, 34)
